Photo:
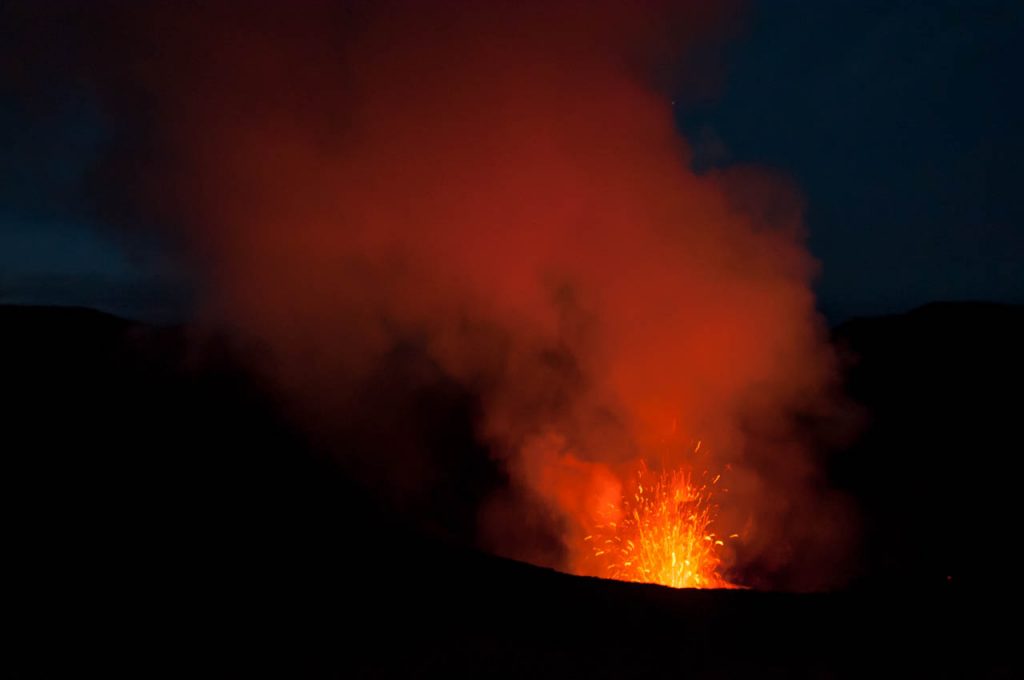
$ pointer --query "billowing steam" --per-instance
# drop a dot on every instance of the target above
(502, 186)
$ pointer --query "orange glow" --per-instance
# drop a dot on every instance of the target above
(662, 532)
(633, 521)
(493, 199)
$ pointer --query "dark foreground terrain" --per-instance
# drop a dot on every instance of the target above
(164, 518)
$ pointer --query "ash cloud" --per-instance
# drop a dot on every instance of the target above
(501, 188)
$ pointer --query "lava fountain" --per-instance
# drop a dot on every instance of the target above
(648, 520)
(661, 532)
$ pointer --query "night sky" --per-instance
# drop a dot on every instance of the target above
(899, 121)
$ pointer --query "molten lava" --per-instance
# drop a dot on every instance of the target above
(661, 533)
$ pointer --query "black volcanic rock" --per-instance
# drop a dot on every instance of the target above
(168, 520)
(935, 470)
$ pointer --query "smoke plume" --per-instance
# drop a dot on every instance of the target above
(500, 186)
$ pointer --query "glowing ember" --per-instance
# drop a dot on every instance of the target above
(662, 535)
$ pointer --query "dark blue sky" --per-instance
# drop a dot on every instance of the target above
(902, 124)
(900, 121)
(56, 247)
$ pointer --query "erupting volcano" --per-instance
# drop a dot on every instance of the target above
(500, 190)
(637, 521)
(479, 338)
(662, 532)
